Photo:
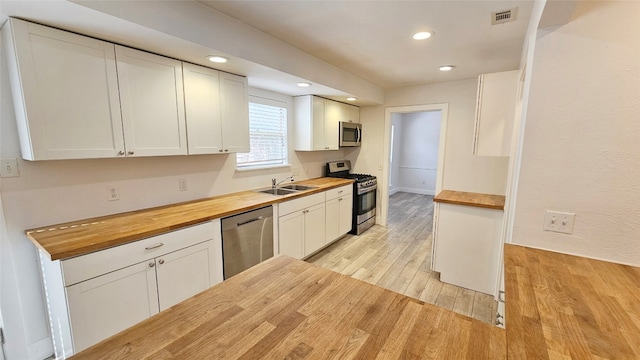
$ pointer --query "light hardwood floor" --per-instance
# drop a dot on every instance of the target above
(398, 258)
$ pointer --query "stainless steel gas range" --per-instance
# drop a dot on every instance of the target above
(364, 195)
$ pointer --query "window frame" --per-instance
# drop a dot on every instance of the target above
(276, 101)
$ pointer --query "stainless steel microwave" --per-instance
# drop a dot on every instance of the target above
(350, 134)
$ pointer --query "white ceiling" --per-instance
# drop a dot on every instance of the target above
(345, 48)
(372, 39)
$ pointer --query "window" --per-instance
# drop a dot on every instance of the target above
(267, 134)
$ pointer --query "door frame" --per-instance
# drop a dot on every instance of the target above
(384, 182)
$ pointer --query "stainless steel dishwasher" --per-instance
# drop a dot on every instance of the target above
(247, 239)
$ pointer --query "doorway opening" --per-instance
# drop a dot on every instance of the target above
(414, 145)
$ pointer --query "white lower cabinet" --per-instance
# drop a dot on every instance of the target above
(310, 223)
(301, 225)
(96, 295)
(107, 304)
(339, 209)
(469, 255)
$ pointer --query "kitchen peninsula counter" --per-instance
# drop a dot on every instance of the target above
(285, 308)
(80, 237)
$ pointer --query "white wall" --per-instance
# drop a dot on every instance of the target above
(580, 149)
(416, 157)
(394, 171)
(50, 192)
(462, 170)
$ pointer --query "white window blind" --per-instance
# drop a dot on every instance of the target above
(267, 134)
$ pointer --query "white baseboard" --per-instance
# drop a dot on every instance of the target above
(415, 191)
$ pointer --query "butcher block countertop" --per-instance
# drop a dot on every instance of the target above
(488, 201)
(289, 309)
(567, 307)
(80, 237)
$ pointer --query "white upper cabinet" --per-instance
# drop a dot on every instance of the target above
(317, 123)
(495, 113)
(350, 113)
(217, 111)
(152, 100)
(65, 92)
(202, 106)
(234, 102)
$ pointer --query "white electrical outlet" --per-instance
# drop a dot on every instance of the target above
(112, 193)
(182, 184)
(9, 168)
(557, 221)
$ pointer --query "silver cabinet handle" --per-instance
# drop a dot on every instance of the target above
(226, 150)
(154, 246)
(220, 150)
(120, 152)
(152, 264)
(130, 152)
(340, 192)
(340, 199)
(161, 261)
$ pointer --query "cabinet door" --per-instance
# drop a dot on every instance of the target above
(202, 107)
(291, 234)
(184, 273)
(107, 304)
(318, 124)
(495, 113)
(351, 113)
(332, 124)
(65, 91)
(234, 95)
(151, 94)
(346, 211)
(332, 217)
(314, 224)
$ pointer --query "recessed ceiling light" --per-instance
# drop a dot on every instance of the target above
(423, 35)
(446, 67)
(351, 99)
(304, 84)
(217, 59)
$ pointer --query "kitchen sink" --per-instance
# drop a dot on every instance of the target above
(297, 187)
(277, 191)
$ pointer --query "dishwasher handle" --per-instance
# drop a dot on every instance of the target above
(249, 221)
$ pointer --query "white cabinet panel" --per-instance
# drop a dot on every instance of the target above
(314, 229)
(291, 234)
(495, 113)
(152, 99)
(339, 209)
(65, 92)
(469, 255)
(103, 306)
(202, 106)
(234, 92)
(184, 273)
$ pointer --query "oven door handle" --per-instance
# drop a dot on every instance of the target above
(367, 189)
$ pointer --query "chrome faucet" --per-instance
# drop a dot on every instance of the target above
(274, 184)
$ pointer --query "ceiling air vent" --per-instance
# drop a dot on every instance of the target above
(502, 17)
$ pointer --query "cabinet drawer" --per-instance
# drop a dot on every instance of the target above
(85, 267)
(288, 207)
(337, 192)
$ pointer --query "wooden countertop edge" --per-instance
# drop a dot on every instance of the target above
(487, 201)
(166, 227)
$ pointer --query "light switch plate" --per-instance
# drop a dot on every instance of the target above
(561, 222)
(9, 168)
